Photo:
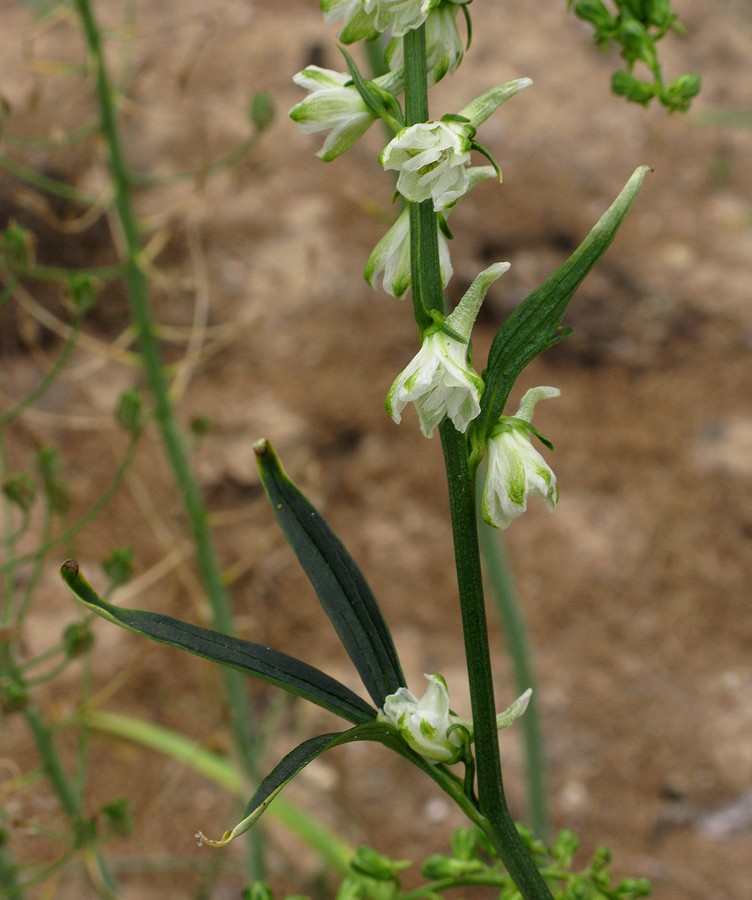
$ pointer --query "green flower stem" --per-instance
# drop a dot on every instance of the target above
(491, 797)
(427, 289)
(137, 286)
(8, 881)
(427, 285)
(510, 614)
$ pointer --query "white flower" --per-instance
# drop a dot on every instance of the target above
(432, 160)
(440, 382)
(391, 256)
(444, 47)
(334, 104)
(399, 16)
(440, 379)
(428, 726)
(357, 24)
(432, 157)
(425, 723)
(331, 105)
(515, 467)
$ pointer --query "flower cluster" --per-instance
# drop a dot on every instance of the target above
(431, 162)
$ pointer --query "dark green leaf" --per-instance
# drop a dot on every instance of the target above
(270, 665)
(297, 759)
(535, 325)
(338, 582)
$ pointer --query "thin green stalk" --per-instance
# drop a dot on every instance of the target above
(138, 294)
(65, 789)
(93, 512)
(49, 377)
(427, 289)
(426, 275)
(505, 597)
(60, 273)
(491, 797)
(8, 882)
(66, 793)
(50, 761)
(45, 183)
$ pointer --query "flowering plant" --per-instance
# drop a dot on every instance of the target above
(431, 159)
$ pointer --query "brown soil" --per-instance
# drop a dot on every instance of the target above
(636, 592)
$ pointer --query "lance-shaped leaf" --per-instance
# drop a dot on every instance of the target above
(535, 324)
(270, 665)
(297, 759)
(340, 585)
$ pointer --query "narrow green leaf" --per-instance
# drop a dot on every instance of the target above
(297, 759)
(535, 325)
(270, 665)
(340, 585)
(224, 772)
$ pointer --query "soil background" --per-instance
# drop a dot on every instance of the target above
(635, 592)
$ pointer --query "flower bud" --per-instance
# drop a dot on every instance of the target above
(625, 85)
(20, 490)
(431, 159)
(368, 862)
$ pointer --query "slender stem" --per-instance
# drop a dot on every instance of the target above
(427, 289)
(491, 797)
(138, 294)
(67, 794)
(45, 183)
(51, 764)
(89, 516)
(515, 635)
(426, 277)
